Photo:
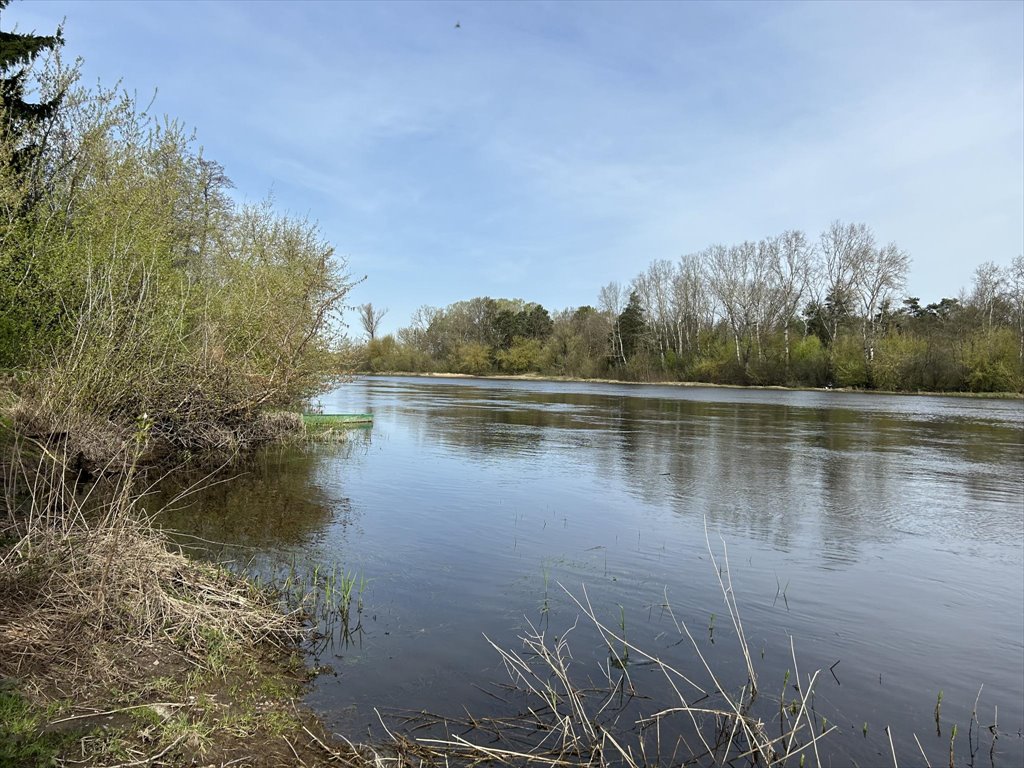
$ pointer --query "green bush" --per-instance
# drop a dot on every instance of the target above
(524, 355)
(472, 358)
(848, 364)
(898, 361)
(154, 297)
(993, 362)
(809, 362)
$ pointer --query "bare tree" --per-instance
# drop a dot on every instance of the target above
(416, 332)
(653, 288)
(737, 278)
(844, 249)
(791, 278)
(693, 303)
(1015, 295)
(879, 274)
(612, 300)
(369, 318)
(989, 286)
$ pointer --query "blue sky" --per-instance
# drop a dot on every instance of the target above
(543, 149)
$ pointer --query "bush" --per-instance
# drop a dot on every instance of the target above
(524, 355)
(154, 298)
(849, 366)
(898, 362)
(472, 358)
(387, 355)
(993, 362)
(809, 362)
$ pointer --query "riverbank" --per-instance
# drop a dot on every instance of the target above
(177, 715)
(692, 384)
(117, 648)
(218, 706)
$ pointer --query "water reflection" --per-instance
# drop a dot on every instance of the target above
(767, 468)
(281, 499)
(896, 524)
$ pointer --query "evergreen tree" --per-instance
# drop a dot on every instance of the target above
(18, 117)
(537, 322)
(633, 327)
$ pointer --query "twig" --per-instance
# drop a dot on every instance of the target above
(157, 756)
(923, 755)
(115, 711)
(888, 732)
(292, 749)
(730, 603)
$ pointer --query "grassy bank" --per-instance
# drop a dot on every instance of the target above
(118, 649)
(182, 713)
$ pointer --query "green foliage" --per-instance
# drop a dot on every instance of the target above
(939, 347)
(632, 328)
(718, 365)
(22, 120)
(473, 358)
(809, 362)
(523, 355)
(149, 292)
(993, 362)
(848, 364)
(387, 354)
(21, 743)
(537, 322)
(899, 362)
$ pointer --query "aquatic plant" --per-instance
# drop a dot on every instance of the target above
(570, 717)
(577, 721)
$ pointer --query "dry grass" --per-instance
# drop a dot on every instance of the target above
(569, 717)
(570, 721)
(88, 586)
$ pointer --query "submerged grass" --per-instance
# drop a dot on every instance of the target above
(328, 427)
(329, 598)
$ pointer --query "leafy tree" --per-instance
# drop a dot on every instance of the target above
(24, 303)
(728, 314)
(508, 326)
(142, 289)
(524, 355)
(472, 357)
(537, 322)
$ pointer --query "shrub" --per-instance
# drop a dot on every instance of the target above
(154, 297)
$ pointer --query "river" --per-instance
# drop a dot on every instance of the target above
(883, 536)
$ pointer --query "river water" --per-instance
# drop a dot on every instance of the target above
(883, 536)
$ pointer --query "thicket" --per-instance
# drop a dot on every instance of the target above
(782, 311)
(146, 317)
(138, 298)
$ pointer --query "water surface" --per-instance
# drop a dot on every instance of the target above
(883, 533)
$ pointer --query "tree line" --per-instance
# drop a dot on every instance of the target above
(784, 310)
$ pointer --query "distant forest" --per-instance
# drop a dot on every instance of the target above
(782, 311)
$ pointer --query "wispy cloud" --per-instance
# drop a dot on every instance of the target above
(543, 149)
